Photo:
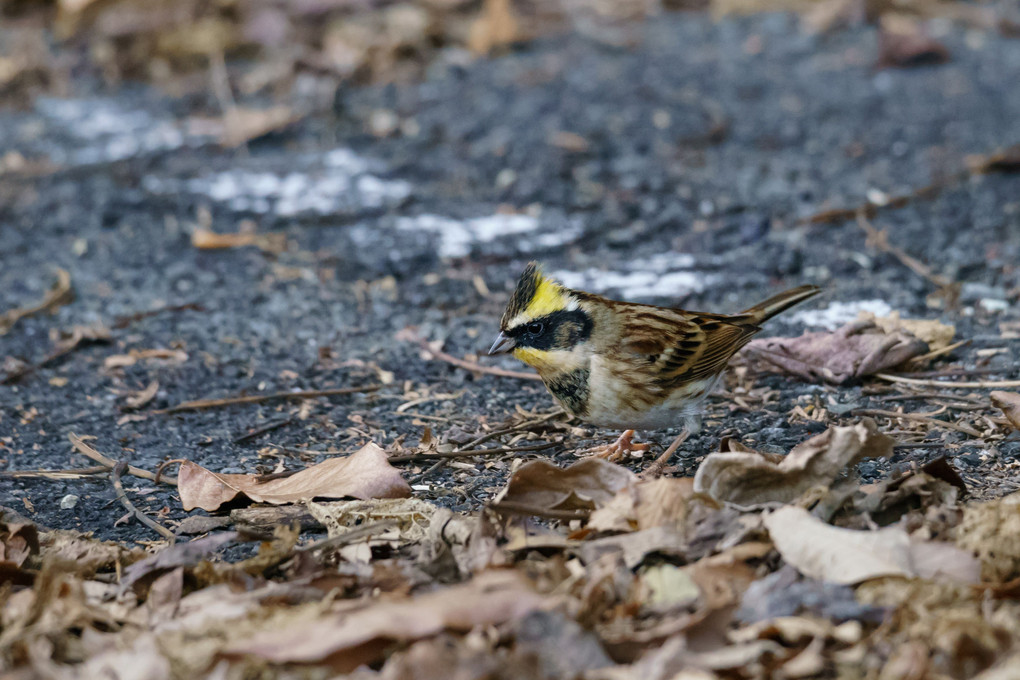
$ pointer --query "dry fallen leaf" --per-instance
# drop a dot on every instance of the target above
(136, 400)
(205, 239)
(18, 541)
(585, 485)
(175, 356)
(240, 125)
(647, 503)
(495, 27)
(364, 474)
(748, 479)
(992, 530)
(934, 485)
(903, 42)
(937, 334)
(827, 553)
(1009, 402)
(87, 554)
(181, 554)
(144, 656)
(411, 515)
(786, 593)
(635, 546)
(849, 353)
(359, 634)
(66, 341)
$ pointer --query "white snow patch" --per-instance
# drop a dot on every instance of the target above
(456, 237)
(838, 313)
(341, 181)
(111, 131)
(638, 284)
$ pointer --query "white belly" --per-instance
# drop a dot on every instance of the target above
(609, 406)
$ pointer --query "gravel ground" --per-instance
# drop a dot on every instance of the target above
(679, 172)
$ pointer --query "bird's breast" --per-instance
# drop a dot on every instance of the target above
(572, 389)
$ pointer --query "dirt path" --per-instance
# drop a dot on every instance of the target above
(681, 172)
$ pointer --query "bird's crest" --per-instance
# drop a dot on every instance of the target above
(535, 296)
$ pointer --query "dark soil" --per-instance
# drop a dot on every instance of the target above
(701, 151)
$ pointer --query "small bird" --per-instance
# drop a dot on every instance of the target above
(622, 364)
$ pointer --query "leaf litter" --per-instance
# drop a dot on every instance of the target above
(364, 474)
(788, 565)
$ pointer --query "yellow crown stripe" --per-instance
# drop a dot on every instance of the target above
(549, 297)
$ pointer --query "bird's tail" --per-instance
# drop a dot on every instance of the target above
(763, 311)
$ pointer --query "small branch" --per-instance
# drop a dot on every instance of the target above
(659, 464)
(73, 473)
(364, 531)
(127, 320)
(950, 373)
(470, 452)
(941, 351)
(918, 417)
(880, 240)
(201, 404)
(84, 449)
(871, 209)
(973, 384)
(475, 366)
(509, 507)
(115, 474)
(59, 294)
(259, 431)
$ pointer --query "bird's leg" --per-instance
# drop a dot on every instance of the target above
(620, 448)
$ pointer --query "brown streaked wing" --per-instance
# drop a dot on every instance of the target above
(673, 349)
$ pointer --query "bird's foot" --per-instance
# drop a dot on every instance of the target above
(620, 448)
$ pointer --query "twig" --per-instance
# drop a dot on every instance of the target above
(880, 240)
(363, 531)
(73, 473)
(513, 508)
(419, 478)
(943, 350)
(80, 337)
(301, 452)
(158, 476)
(510, 430)
(475, 366)
(951, 373)
(919, 417)
(470, 452)
(931, 395)
(115, 474)
(657, 466)
(871, 209)
(59, 294)
(84, 449)
(127, 320)
(259, 431)
(201, 404)
(973, 384)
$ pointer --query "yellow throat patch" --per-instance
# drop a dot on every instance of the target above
(540, 359)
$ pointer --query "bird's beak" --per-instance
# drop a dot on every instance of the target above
(503, 344)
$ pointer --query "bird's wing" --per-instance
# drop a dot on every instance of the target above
(670, 347)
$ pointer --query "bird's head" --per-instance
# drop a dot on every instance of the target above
(544, 324)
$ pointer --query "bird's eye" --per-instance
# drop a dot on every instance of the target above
(535, 328)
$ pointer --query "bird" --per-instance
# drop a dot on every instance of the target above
(625, 365)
